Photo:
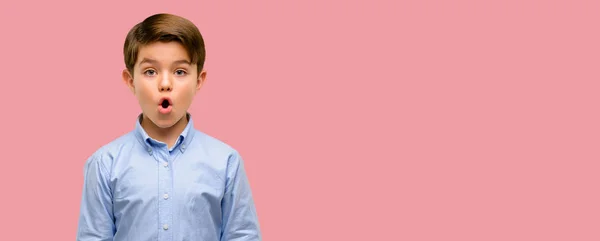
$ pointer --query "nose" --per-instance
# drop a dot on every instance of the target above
(165, 84)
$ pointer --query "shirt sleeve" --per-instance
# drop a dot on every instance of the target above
(240, 222)
(96, 220)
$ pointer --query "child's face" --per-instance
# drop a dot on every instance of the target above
(164, 82)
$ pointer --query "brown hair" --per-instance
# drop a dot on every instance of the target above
(165, 28)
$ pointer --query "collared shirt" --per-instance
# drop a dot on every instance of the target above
(137, 189)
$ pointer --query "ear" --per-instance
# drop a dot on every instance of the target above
(128, 79)
(201, 80)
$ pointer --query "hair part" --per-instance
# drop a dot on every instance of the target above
(164, 27)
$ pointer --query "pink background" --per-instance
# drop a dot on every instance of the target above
(372, 120)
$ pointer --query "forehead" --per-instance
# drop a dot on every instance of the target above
(162, 52)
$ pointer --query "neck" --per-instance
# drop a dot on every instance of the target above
(167, 135)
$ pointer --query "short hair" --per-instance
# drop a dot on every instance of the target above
(165, 28)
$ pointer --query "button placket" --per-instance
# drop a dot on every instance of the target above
(165, 205)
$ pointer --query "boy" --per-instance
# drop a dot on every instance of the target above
(166, 180)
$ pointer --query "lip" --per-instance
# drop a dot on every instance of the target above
(165, 110)
(163, 99)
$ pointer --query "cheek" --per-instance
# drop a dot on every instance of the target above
(187, 92)
(186, 96)
(184, 99)
(143, 93)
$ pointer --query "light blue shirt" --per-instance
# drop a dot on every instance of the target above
(137, 189)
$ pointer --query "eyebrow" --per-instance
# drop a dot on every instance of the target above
(152, 61)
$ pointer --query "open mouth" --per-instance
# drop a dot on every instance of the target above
(165, 106)
(165, 103)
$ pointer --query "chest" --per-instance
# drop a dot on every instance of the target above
(187, 182)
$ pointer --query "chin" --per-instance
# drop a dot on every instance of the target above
(163, 122)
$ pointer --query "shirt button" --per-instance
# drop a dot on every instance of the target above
(166, 226)
(166, 196)
(166, 164)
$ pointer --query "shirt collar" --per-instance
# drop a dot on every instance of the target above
(184, 138)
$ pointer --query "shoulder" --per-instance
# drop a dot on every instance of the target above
(221, 154)
(212, 145)
(216, 149)
(103, 156)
